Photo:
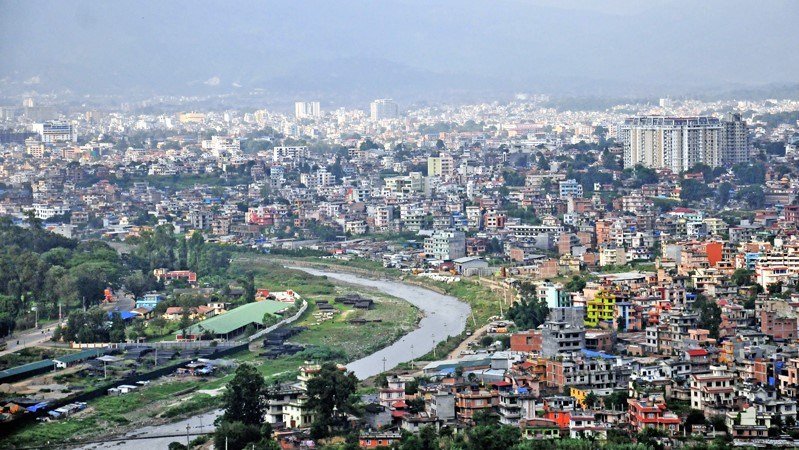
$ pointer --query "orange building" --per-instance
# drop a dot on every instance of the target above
(652, 414)
(378, 439)
(714, 252)
(526, 341)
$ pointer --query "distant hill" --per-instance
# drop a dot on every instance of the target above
(403, 48)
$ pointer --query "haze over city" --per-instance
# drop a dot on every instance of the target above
(357, 50)
(399, 225)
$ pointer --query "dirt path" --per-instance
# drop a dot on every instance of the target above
(465, 344)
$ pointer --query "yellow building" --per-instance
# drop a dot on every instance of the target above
(601, 308)
(579, 395)
(192, 117)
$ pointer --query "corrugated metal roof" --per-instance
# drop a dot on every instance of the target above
(238, 317)
(82, 355)
(14, 371)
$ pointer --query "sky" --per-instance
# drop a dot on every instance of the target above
(396, 48)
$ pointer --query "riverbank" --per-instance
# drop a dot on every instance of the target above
(444, 316)
(484, 301)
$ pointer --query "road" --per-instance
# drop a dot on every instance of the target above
(28, 338)
(33, 337)
(463, 346)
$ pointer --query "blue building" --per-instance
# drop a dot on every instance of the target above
(149, 301)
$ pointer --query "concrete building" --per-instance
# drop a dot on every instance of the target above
(446, 245)
(712, 392)
(440, 166)
(563, 332)
(307, 110)
(676, 143)
(55, 131)
(570, 188)
(384, 108)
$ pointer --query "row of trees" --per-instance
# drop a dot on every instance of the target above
(42, 270)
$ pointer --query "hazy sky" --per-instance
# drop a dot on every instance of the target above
(396, 47)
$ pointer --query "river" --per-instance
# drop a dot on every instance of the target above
(444, 316)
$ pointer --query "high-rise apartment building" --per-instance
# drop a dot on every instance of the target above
(55, 131)
(679, 143)
(384, 108)
(734, 140)
(307, 110)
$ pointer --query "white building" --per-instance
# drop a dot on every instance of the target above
(679, 143)
(384, 108)
(307, 110)
(55, 131)
(570, 188)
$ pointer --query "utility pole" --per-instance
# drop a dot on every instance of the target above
(384, 364)
(187, 435)
(434, 344)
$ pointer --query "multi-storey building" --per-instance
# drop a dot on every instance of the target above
(446, 245)
(394, 392)
(55, 131)
(473, 400)
(712, 392)
(383, 108)
(580, 371)
(561, 337)
(652, 413)
(676, 143)
(734, 140)
(570, 188)
(440, 166)
(306, 110)
(601, 308)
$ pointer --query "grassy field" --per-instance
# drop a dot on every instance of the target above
(484, 302)
(107, 413)
(397, 316)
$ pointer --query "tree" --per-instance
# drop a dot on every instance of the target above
(591, 400)
(694, 190)
(750, 173)
(117, 332)
(695, 417)
(239, 436)
(754, 196)
(742, 277)
(709, 314)
(331, 394)
(185, 318)
(576, 284)
(723, 192)
(492, 437)
(244, 399)
(137, 283)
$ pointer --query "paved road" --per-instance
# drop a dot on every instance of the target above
(33, 337)
(28, 338)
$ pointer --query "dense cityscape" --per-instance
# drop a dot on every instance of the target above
(421, 262)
